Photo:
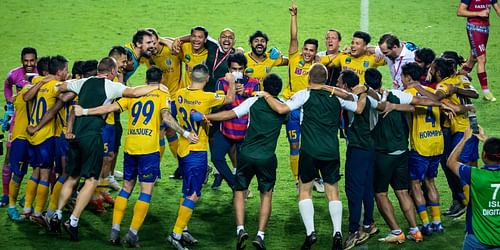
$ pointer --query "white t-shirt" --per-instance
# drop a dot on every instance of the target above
(395, 66)
(113, 89)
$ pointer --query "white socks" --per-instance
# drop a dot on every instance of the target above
(335, 208)
(306, 209)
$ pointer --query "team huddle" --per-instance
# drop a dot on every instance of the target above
(206, 97)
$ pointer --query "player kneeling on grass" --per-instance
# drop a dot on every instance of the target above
(256, 157)
(482, 223)
(142, 150)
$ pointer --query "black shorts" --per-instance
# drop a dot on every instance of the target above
(309, 167)
(264, 169)
(393, 170)
(85, 157)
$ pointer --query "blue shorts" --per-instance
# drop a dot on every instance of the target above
(147, 167)
(19, 156)
(293, 127)
(62, 148)
(43, 154)
(422, 167)
(108, 138)
(194, 171)
(470, 151)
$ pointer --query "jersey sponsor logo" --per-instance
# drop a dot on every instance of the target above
(428, 134)
(268, 69)
(366, 64)
(348, 60)
(249, 71)
(187, 57)
(302, 63)
(298, 71)
(168, 62)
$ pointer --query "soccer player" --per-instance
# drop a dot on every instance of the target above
(298, 70)
(44, 97)
(257, 155)
(142, 46)
(358, 59)
(478, 29)
(261, 62)
(85, 155)
(482, 221)
(232, 131)
(17, 77)
(396, 54)
(142, 156)
(424, 58)
(193, 157)
(332, 43)
(321, 116)
(391, 154)
(426, 141)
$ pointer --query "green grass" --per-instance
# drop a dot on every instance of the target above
(87, 29)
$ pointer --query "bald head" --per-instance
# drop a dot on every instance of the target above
(318, 74)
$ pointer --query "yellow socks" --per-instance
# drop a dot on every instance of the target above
(185, 212)
(42, 193)
(31, 189)
(54, 197)
(140, 211)
(120, 206)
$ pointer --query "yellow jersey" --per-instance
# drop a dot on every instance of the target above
(22, 117)
(426, 136)
(44, 100)
(170, 64)
(260, 69)
(63, 117)
(298, 74)
(190, 60)
(357, 64)
(459, 122)
(187, 101)
(144, 118)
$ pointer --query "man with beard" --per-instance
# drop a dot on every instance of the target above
(395, 55)
(261, 62)
(142, 45)
(16, 77)
(332, 43)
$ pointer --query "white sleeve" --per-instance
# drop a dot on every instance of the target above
(75, 85)
(404, 98)
(378, 51)
(113, 89)
(244, 107)
(298, 99)
(348, 105)
(373, 102)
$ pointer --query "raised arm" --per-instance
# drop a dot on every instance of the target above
(232, 89)
(294, 42)
(101, 110)
(221, 116)
(462, 11)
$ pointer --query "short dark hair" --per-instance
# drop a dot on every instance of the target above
(43, 65)
(117, 50)
(426, 55)
(154, 32)
(453, 56)
(318, 73)
(349, 78)
(77, 68)
(311, 41)
(491, 149)
(272, 84)
(336, 31)
(445, 67)
(390, 40)
(106, 65)
(412, 70)
(256, 34)
(199, 73)
(28, 50)
(373, 78)
(139, 36)
(153, 75)
(238, 58)
(200, 28)
(57, 63)
(89, 68)
(363, 35)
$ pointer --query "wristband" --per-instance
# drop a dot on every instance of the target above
(85, 111)
(333, 92)
(186, 134)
